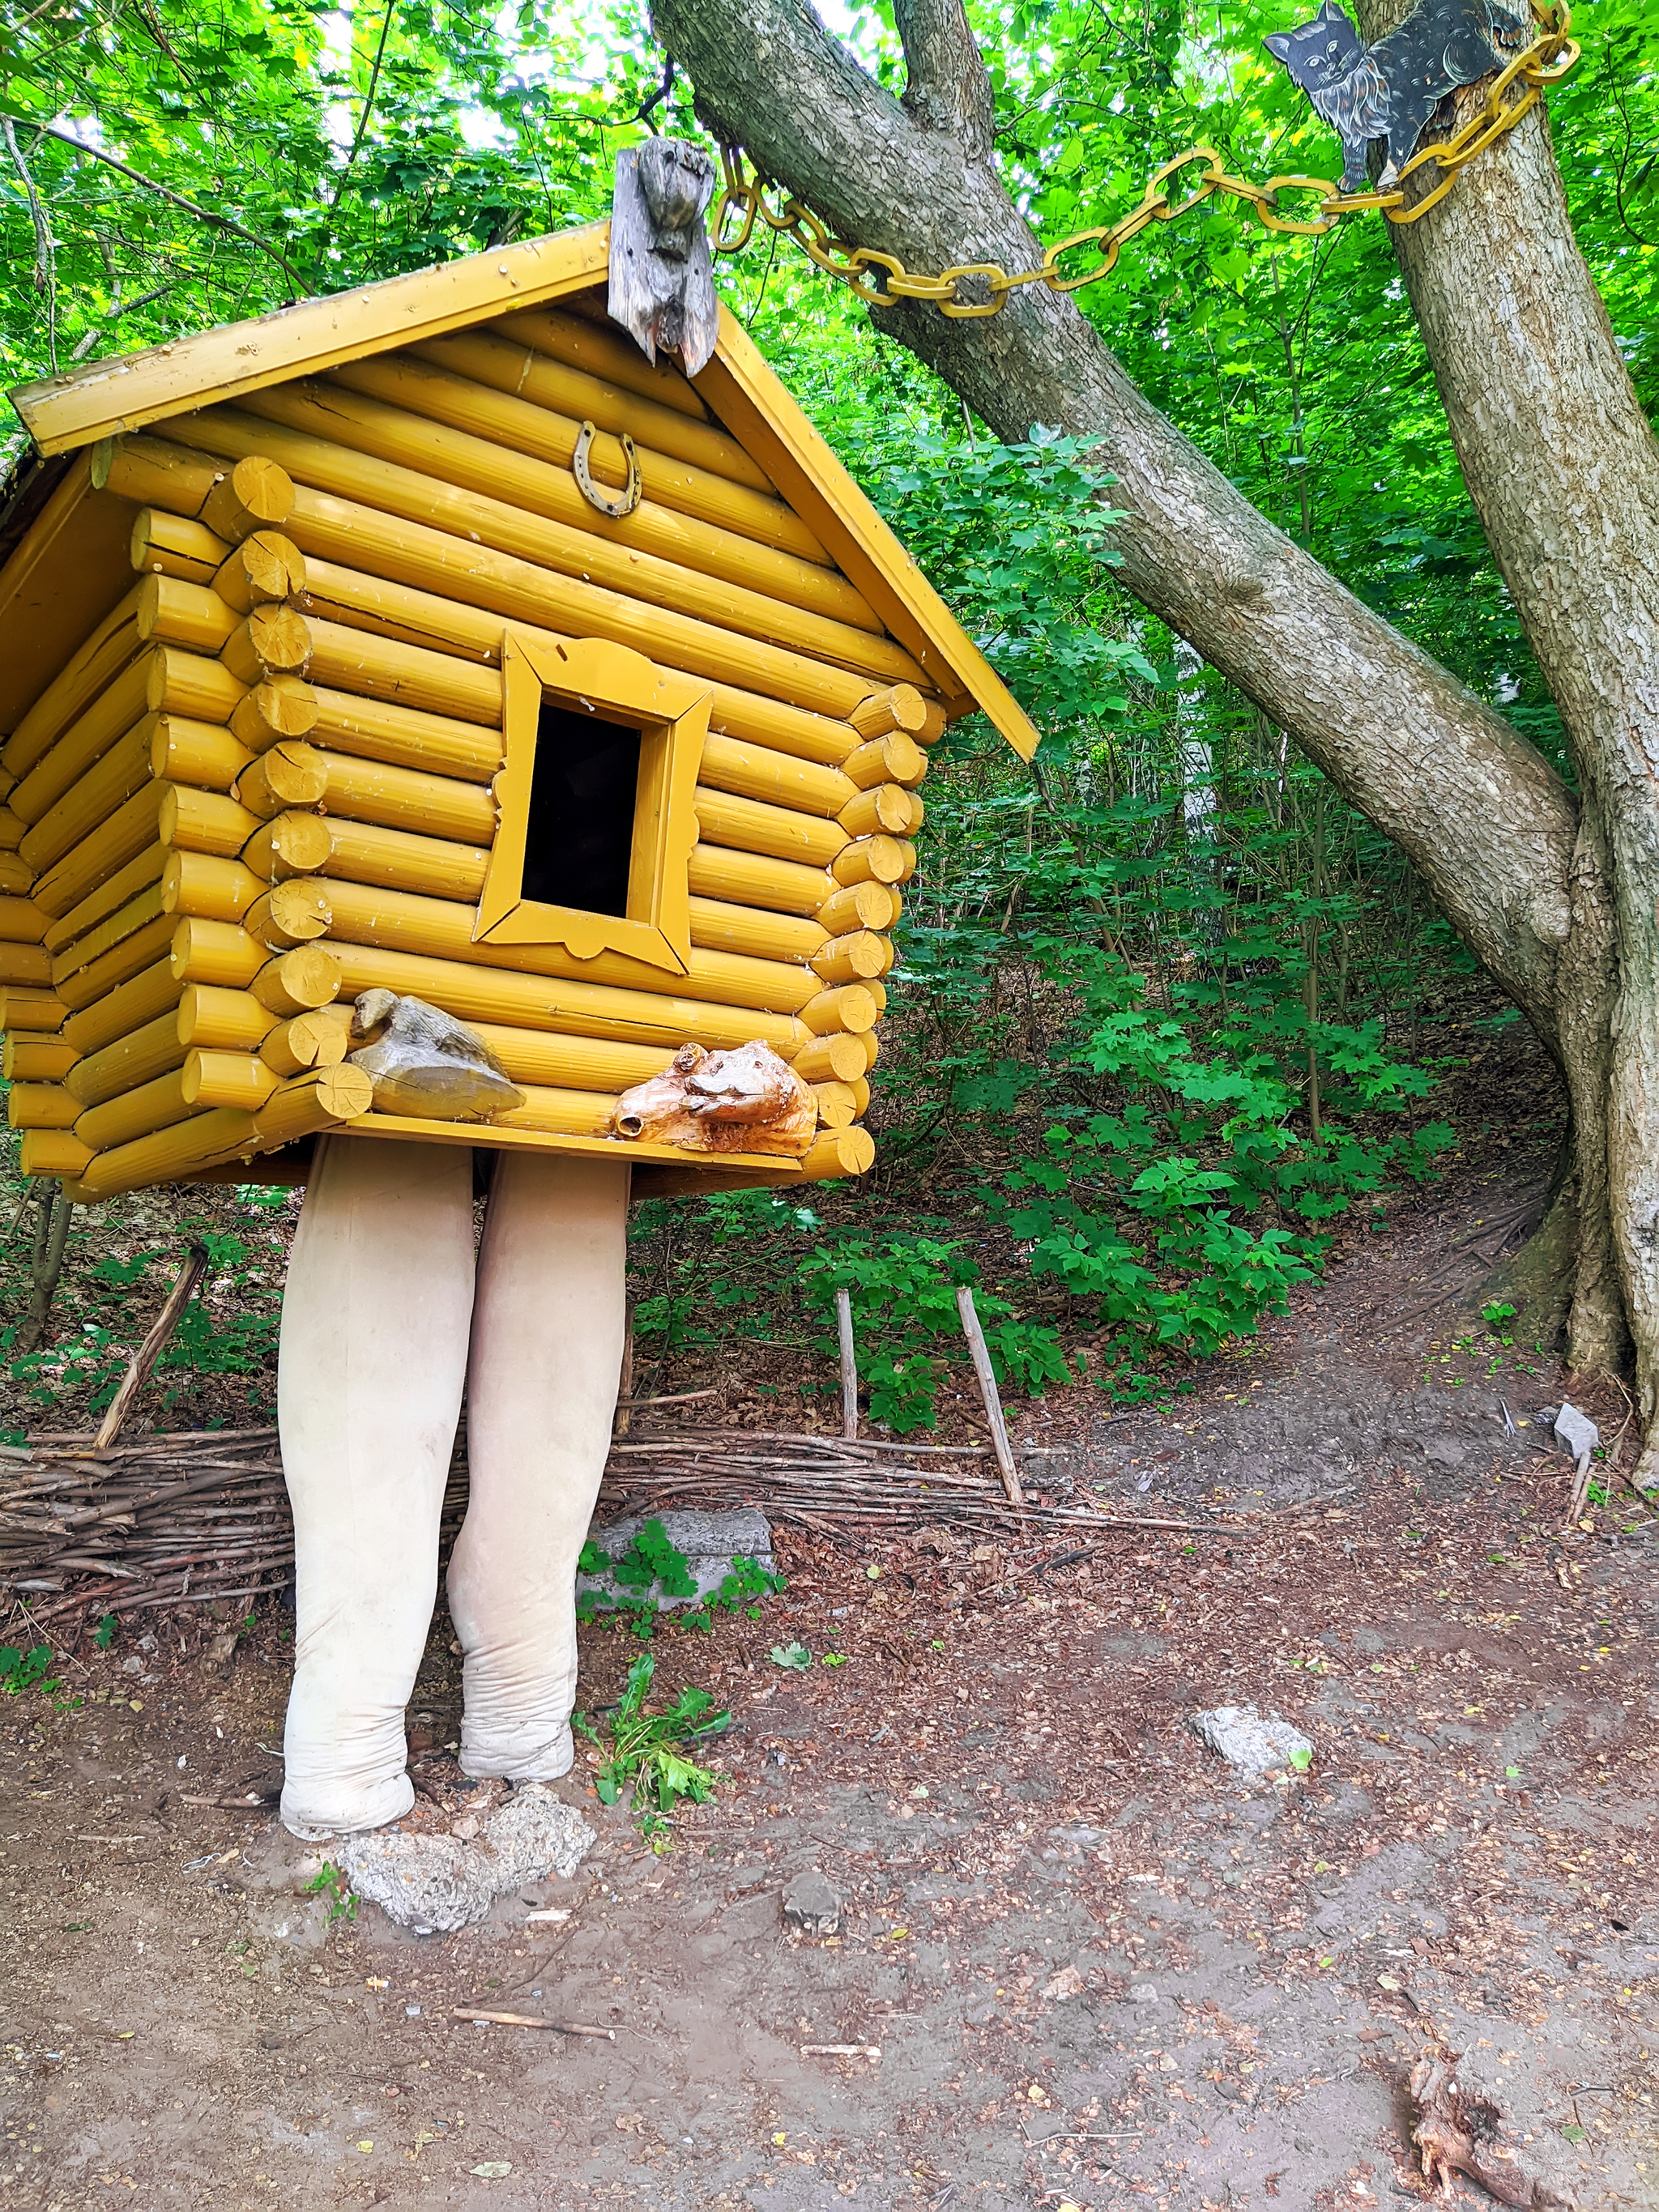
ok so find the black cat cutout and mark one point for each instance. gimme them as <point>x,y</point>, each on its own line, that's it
<point>1391,90</point>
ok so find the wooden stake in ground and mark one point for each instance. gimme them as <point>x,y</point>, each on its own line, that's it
<point>987,1390</point>
<point>151,1349</point>
<point>849,1364</point>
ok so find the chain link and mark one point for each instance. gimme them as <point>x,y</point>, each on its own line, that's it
<point>882,278</point>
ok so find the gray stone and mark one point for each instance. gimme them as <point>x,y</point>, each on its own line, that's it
<point>1575,1433</point>
<point>431,1882</point>
<point>812,1903</point>
<point>1238,1734</point>
<point>708,1541</point>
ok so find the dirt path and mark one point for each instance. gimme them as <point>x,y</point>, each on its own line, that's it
<point>1095,1969</point>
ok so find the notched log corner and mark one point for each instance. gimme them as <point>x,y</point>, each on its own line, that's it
<point>1456,2132</point>
<point>662,281</point>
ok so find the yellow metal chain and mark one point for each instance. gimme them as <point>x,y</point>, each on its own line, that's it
<point>1544,62</point>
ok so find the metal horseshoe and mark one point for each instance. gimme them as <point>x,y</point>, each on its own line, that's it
<point>625,502</point>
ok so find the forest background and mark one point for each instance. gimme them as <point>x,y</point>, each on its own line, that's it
<point>1165,1000</point>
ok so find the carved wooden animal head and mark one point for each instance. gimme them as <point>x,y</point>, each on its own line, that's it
<point>746,1100</point>
<point>676,182</point>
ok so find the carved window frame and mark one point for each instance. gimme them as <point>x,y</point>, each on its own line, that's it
<point>670,713</point>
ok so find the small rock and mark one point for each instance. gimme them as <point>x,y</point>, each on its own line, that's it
<point>1238,1734</point>
<point>428,1882</point>
<point>133,1666</point>
<point>1575,1433</point>
<point>1144,1992</point>
<point>812,1903</point>
<point>1444,1451</point>
<point>1067,1983</point>
<point>219,1650</point>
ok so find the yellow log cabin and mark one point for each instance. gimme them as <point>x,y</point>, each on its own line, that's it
<point>428,639</point>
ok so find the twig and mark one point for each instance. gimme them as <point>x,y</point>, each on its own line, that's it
<point>708,1437</point>
<point>368,106</point>
<point>1612,1465</point>
<point>52,1226</point>
<point>150,1349</point>
<point>529,2019</point>
<point>679,1398</point>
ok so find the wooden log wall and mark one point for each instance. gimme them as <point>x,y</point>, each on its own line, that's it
<point>264,783</point>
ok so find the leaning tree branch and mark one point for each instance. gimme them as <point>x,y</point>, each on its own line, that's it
<point>949,87</point>
<point>165,192</point>
<point>46,246</point>
<point>1480,813</point>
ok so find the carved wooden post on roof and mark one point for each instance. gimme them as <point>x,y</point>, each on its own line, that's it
<point>662,282</point>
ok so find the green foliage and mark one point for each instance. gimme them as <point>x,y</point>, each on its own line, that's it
<point>1018,539</point>
<point>650,1564</point>
<point>906,1326</point>
<point>1147,1208</point>
<point>653,1567</point>
<point>329,1882</point>
<point>648,1756</point>
<point>1129,1050</point>
<point>104,1634</point>
<point>25,1670</point>
<point>106,1302</point>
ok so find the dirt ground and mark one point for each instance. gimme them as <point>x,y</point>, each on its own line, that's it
<point>1081,1963</point>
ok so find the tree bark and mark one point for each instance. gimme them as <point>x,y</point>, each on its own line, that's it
<point>1564,472</point>
<point>948,87</point>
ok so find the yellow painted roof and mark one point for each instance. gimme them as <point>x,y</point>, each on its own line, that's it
<point>105,398</point>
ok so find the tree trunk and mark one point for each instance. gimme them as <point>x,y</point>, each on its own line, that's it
<point>52,1228</point>
<point>1563,470</point>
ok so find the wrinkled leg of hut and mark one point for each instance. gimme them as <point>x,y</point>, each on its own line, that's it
<point>375,1320</point>
<point>547,1344</point>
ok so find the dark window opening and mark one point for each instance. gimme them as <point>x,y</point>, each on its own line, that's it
<point>580,838</point>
